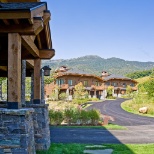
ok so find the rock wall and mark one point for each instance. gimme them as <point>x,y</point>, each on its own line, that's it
<point>17,131</point>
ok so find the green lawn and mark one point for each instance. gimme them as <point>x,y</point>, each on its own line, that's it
<point>133,107</point>
<point>117,148</point>
<point>109,126</point>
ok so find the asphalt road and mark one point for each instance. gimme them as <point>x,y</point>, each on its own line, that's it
<point>139,129</point>
<point>121,117</point>
<point>134,135</point>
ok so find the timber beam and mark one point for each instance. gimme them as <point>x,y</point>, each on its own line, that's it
<point>47,54</point>
<point>3,68</point>
<point>46,17</point>
<point>30,63</point>
<point>28,43</point>
<point>30,46</point>
<point>24,29</point>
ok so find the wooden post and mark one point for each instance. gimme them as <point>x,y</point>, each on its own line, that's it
<point>14,71</point>
<point>37,81</point>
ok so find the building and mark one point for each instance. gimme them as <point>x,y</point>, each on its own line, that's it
<point>119,83</point>
<point>96,86</point>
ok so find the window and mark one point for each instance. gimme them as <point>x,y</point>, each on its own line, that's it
<point>107,83</point>
<point>70,82</point>
<point>115,84</point>
<point>85,83</point>
<point>132,85</point>
<point>60,81</point>
<point>124,85</point>
<point>97,83</point>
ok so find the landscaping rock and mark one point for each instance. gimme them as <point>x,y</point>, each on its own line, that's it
<point>143,110</point>
<point>106,151</point>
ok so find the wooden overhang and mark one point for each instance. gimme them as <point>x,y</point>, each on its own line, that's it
<point>80,75</point>
<point>31,21</point>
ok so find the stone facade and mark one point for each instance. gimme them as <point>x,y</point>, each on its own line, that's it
<point>41,126</point>
<point>17,131</point>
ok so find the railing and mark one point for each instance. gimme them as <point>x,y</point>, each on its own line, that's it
<point>64,86</point>
<point>98,87</point>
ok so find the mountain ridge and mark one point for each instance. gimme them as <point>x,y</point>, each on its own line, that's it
<point>95,64</point>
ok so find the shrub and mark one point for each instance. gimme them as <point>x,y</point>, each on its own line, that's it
<point>80,92</point>
<point>80,101</point>
<point>94,116</point>
<point>109,91</point>
<point>94,99</point>
<point>56,117</point>
<point>84,117</point>
<point>62,96</point>
<point>71,116</point>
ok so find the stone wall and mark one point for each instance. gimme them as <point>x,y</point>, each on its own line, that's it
<point>41,126</point>
<point>17,131</point>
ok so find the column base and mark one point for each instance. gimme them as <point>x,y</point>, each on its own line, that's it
<point>41,126</point>
<point>13,105</point>
<point>17,131</point>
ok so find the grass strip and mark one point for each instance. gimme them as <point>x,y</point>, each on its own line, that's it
<point>60,148</point>
<point>106,127</point>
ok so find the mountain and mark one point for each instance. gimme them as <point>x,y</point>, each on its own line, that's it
<point>95,65</point>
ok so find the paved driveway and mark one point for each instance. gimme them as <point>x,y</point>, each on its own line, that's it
<point>134,134</point>
<point>123,118</point>
<point>139,129</point>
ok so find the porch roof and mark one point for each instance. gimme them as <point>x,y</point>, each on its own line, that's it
<point>31,21</point>
<point>21,6</point>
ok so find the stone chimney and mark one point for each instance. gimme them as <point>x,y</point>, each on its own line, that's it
<point>104,74</point>
<point>61,69</point>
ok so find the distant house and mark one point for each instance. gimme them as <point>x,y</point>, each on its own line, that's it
<point>96,86</point>
<point>119,82</point>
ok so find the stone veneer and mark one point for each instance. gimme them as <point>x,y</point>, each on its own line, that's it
<point>17,131</point>
<point>41,125</point>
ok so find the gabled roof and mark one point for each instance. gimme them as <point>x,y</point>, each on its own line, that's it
<point>113,76</point>
<point>76,72</point>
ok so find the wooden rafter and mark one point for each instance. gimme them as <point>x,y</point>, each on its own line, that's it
<point>6,22</point>
<point>28,43</point>
<point>48,37</point>
<point>3,68</point>
<point>16,21</point>
<point>30,63</point>
<point>31,21</point>
<point>39,41</point>
<point>46,17</point>
<point>24,29</point>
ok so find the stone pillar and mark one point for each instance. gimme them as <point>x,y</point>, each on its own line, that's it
<point>41,126</point>
<point>32,85</point>
<point>42,87</point>
<point>16,131</point>
<point>23,80</point>
<point>1,91</point>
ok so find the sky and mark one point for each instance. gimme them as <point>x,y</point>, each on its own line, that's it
<point>107,28</point>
